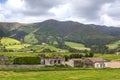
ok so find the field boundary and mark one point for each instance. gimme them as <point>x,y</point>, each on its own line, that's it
<point>21,66</point>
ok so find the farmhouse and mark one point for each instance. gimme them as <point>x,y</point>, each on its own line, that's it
<point>75,62</point>
<point>95,63</point>
<point>53,61</point>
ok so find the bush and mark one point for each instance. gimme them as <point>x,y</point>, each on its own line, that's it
<point>76,55</point>
<point>27,60</point>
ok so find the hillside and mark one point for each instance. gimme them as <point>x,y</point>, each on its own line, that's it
<point>114,45</point>
<point>11,44</point>
<point>9,41</point>
<point>52,30</point>
<point>76,46</point>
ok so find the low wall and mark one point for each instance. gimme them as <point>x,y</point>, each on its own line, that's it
<point>21,66</point>
<point>113,64</point>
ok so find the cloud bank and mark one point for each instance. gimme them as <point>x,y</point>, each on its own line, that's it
<point>103,12</point>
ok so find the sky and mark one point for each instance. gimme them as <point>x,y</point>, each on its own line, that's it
<point>100,12</point>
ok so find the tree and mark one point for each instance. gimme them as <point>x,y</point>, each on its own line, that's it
<point>61,42</point>
<point>76,55</point>
<point>91,54</point>
<point>41,55</point>
<point>99,49</point>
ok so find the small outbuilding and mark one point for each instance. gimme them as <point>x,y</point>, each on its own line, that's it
<point>75,62</point>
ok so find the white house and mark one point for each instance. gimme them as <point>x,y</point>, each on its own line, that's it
<point>95,63</point>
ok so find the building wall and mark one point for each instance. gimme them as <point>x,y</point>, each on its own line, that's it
<point>113,64</point>
<point>75,63</point>
<point>100,65</point>
<point>71,63</point>
<point>88,63</point>
<point>51,62</point>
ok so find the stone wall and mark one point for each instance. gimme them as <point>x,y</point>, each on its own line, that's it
<point>21,66</point>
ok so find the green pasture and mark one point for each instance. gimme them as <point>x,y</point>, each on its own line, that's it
<point>114,45</point>
<point>17,47</point>
<point>9,41</point>
<point>12,44</point>
<point>90,74</point>
<point>40,48</point>
<point>18,54</point>
<point>108,56</point>
<point>76,46</point>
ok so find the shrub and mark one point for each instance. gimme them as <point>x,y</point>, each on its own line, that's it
<point>27,60</point>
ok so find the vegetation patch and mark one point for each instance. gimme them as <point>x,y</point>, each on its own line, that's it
<point>114,45</point>
<point>76,46</point>
<point>27,60</point>
<point>90,74</point>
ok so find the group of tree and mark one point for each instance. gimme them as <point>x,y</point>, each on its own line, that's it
<point>66,56</point>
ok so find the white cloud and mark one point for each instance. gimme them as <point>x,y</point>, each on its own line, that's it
<point>103,12</point>
<point>61,12</point>
<point>2,18</point>
<point>107,20</point>
<point>15,4</point>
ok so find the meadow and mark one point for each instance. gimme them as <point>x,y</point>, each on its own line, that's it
<point>12,44</point>
<point>77,46</point>
<point>83,74</point>
<point>114,45</point>
<point>108,56</point>
<point>18,54</point>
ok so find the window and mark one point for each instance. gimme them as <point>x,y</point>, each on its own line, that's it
<point>55,61</point>
<point>59,61</point>
<point>97,65</point>
<point>50,61</point>
<point>101,65</point>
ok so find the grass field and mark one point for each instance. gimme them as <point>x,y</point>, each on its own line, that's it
<point>76,46</point>
<point>18,54</point>
<point>12,44</point>
<point>17,47</point>
<point>9,41</point>
<point>90,74</point>
<point>108,56</point>
<point>40,48</point>
<point>114,45</point>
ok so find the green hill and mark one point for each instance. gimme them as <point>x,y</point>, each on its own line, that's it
<point>9,41</point>
<point>52,30</point>
<point>114,45</point>
<point>43,48</point>
<point>12,44</point>
<point>30,38</point>
<point>76,46</point>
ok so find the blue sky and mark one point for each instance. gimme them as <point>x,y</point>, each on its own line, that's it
<point>2,1</point>
<point>101,12</point>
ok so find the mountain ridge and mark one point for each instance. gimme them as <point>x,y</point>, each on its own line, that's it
<point>51,30</point>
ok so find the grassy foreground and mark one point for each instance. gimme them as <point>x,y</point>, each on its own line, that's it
<point>90,74</point>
